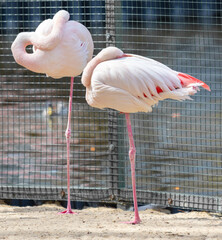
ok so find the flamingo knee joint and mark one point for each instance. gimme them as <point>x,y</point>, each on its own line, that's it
<point>132,153</point>
<point>68,133</point>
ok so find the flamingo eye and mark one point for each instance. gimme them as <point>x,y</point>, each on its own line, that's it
<point>29,48</point>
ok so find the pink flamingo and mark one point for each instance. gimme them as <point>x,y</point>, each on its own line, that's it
<point>125,82</point>
<point>131,83</point>
<point>60,48</point>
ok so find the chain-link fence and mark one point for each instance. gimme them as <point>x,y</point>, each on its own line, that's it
<point>179,144</point>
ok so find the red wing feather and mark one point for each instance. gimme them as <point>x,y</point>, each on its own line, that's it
<point>186,80</point>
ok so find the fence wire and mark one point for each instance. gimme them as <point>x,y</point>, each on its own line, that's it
<point>179,144</point>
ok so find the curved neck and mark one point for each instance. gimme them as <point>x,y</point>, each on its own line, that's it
<point>55,36</point>
<point>106,54</point>
<point>50,41</point>
<point>21,56</point>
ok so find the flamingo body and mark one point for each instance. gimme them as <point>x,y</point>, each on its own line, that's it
<point>131,83</point>
<point>61,48</point>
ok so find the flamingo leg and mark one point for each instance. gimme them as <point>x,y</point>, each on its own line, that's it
<point>132,154</point>
<point>68,135</point>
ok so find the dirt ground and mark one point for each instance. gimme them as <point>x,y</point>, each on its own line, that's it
<point>43,222</point>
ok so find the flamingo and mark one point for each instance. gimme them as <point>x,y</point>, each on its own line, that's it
<point>131,83</point>
<point>60,48</point>
<point>127,83</point>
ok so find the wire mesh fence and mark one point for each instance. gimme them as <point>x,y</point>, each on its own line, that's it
<point>179,144</point>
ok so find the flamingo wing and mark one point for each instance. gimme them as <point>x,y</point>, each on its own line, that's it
<point>135,84</point>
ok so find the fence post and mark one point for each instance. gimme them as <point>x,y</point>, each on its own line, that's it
<point>110,22</point>
<point>112,114</point>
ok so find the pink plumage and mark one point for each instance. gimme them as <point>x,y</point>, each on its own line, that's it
<point>131,83</point>
<point>61,48</point>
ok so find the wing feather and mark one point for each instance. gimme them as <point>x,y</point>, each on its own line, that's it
<point>144,80</point>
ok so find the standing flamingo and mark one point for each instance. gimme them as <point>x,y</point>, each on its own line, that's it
<point>60,48</point>
<point>131,83</point>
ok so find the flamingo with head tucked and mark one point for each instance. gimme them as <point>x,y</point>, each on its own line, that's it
<point>125,82</point>
<point>60,48</point>
<point>130,83</point>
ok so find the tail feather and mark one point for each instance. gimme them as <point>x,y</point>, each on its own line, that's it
<point>187,80</point>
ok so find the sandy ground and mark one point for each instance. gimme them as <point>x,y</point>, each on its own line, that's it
<point>43,222</point>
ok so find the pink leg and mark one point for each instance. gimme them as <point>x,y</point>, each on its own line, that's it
<point>68,134</point>
<point>132,153</point>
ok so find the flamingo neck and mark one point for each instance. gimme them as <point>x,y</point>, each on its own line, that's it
<point>20,54</point>
<point>106,54</point>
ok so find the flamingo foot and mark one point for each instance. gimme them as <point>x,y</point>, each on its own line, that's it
<point>136,221</point>
<point>68,211</point>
